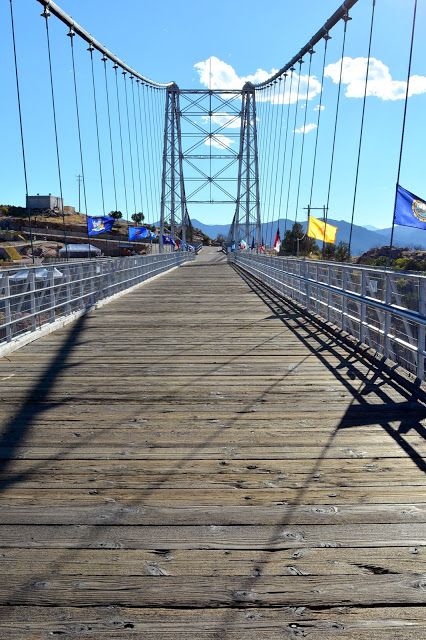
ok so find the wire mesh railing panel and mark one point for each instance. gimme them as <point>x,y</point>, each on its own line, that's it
<point>386,310</point>
<point>33,297</point>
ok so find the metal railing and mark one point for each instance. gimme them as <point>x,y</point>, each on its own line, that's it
<point>32,297</point>
<point>386,310</point>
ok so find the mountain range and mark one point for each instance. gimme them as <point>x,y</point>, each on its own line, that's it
<point>363,238</point>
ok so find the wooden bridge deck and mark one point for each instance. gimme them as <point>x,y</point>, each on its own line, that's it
<point>197,461</point>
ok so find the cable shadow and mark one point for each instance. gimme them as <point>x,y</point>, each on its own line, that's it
<point>36,401</point>
<point>307,329</point>
<point>374,404</point>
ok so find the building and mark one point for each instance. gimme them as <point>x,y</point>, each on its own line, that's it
<point>52,203</point>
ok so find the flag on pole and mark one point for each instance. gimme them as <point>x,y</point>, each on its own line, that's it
<point>410,210</point>
<point>252,244</point>
<point>137,233</point>
<point>321,230</point>
<point>168,240</point>
<point>99,224</point>
<point>277,241</point>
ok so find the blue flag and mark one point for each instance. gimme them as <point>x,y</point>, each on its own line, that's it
<point>168,240</point>
<point>410,211</point>
<point>136,233</point>
<point>252,243</point>
<point>97,225</point>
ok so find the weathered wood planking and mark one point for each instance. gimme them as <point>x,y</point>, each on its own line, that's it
<point>227,469</point>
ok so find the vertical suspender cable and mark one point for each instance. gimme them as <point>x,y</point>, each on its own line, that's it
<point>142,135</point>
<point>311,52</point>
<point>148,138</point>
<point>137,144</point>
<point>285,147</point>
<point>292,146</point>
<point>46,14</point>
<point>124,73</point>
<point>336,119</point>
<point>314,161</point>
<point>104,60</point>
<point>413,29</point>
<point>267,145</point>
<point>152,129</point>
<point>274,164</point>
<point>121,140</point>
<point>21,129</point>
<point>279,153</point>
<point>95,106</point>
<point>362,126</point>
<point>71,35</point>
<point>156,148</point>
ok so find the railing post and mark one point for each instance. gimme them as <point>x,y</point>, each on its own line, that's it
<point>363,309</point>
<point>344,323</point>
<point>7,309</point>
<point>32,300</point>
<point>387,320</point>
<point>421,330</point>
<point>52,294</point>
<point>68,288</point>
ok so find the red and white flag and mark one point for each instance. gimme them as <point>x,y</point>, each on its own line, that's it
<point>277,241</point>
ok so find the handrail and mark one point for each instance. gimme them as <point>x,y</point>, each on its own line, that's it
<point>403,329</point>
<point>30,300</point>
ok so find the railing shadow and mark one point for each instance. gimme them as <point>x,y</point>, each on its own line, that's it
<point>409,412</point>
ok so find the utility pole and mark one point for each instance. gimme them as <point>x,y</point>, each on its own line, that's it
<point>79,180</point>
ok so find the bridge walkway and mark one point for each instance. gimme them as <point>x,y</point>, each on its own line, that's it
<point>199,460</point>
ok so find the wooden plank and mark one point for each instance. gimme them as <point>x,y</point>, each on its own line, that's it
<point>213,537</point>
<point>288,562</point>
<point>228,591</point>
<point>277,623</point>
<point>238,475</point>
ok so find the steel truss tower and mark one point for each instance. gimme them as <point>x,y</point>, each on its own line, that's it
<point>246,222</point>
<point>209,159</point>
<point>173,212</point>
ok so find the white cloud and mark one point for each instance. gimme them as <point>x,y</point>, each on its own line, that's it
<point>380,81</point>
<point>306,129</point>
<point>217,74</point>
<point>219,141</point>
<point>319,107</point>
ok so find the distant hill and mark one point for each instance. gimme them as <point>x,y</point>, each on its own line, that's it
<point>363,238</point>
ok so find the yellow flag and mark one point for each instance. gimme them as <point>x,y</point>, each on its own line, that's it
<point>316,230</point>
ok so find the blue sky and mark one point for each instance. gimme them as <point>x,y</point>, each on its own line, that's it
<point>165,40</point>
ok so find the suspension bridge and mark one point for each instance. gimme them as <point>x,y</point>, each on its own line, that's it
<point>216,442</point>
